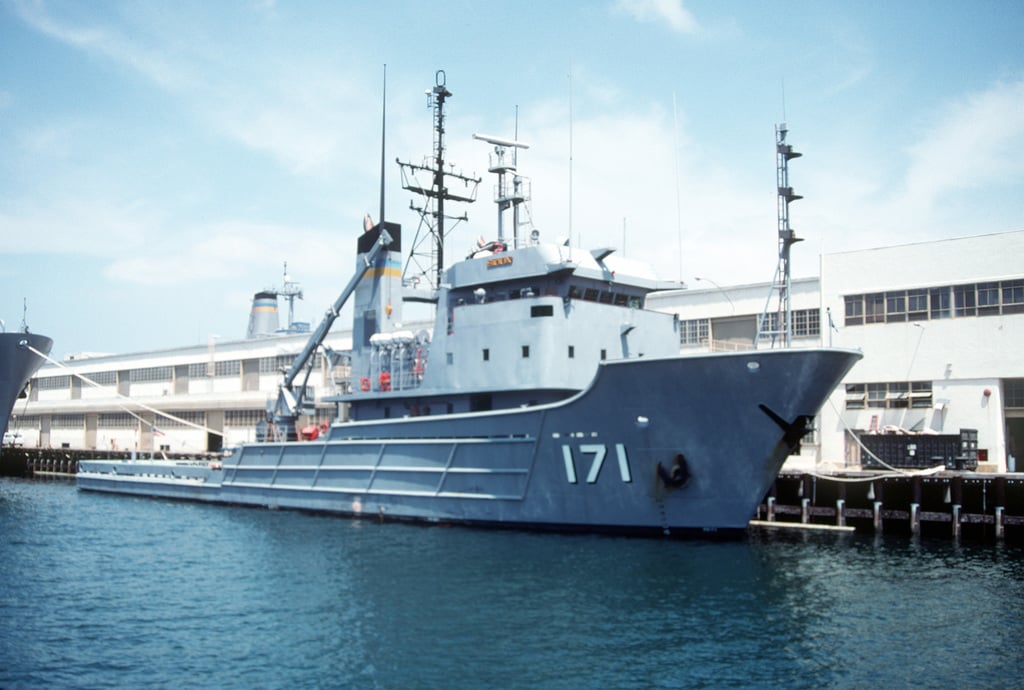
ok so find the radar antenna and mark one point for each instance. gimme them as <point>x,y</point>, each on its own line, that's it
<point>429,261</point>
<point>507,195</point>
<point>290,290</point>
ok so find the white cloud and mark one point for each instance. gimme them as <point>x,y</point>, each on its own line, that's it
<point>671,12</point>
<point>106,42</point>
<point>226,251</point>
<point>77,225</point>
<point>974,143</point>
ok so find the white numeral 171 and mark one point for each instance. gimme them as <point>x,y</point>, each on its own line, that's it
<point>599,451</point>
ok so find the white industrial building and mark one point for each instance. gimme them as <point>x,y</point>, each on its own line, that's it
<point>939,323</point>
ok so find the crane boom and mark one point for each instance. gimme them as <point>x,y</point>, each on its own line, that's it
<point>288,402</point>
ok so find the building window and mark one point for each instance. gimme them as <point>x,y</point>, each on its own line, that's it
<point>1013,392</point>
<point>854,310</point>
<point>102,378</point>
<point>149,374</point>
<point>229,368</point>
<point>182,419</point>
<point>855,396</point>
<point>271,365</point>
<point>874,308</point>
<point>965,300</point>
<point>244,418</point>
<point>896,306</point>
<point>806,324</point>
<point>67,421</point>
<point>917,305</point>
<point>694,331</point>
<point>117,420</point>
<point>889,396</point>
<point>1013,296</point>
<point>53,383</point>
<point>941,302</point>
<point>988,299</point>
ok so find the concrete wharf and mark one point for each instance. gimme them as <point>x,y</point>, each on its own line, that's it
<point>975,505</point>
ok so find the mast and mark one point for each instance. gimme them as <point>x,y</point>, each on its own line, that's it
<point>437,191</point>
<point>782,282</point>
<point>383,139</point>
<point>507,195</point>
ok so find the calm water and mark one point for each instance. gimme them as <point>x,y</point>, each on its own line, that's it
<point>106,591</point>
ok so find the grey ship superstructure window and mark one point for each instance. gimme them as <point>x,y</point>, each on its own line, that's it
<point>542,310</point>
<point>526,351</point>
<point>572,351</point>
<point>487,354</point>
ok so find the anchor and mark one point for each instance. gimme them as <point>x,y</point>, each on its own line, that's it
<point>792,432</point>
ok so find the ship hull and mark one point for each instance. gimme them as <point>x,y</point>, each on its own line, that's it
<point>17,365</point>
<point>601,461</point>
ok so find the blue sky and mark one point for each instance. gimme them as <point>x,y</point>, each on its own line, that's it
<point>159,161</point>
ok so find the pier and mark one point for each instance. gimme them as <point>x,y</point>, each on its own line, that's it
<point>27,462</point>
<point>976,505</point>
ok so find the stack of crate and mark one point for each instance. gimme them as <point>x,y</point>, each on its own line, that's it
<point>920,451</point>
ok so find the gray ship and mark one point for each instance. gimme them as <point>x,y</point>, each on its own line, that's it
<point>546,396</point>
<point>17,365</point>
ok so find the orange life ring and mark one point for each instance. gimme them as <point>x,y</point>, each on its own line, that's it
<point>364,383</point>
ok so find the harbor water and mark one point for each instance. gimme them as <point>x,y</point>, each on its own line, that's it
<point>100,591</point>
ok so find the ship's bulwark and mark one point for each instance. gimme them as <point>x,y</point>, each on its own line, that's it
<point>590,463</point>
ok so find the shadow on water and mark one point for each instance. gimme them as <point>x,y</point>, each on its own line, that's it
<point>112,591</point>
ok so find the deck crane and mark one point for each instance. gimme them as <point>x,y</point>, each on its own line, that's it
<point>289,401</point>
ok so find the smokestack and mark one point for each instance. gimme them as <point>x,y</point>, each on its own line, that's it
<point>263,317</point>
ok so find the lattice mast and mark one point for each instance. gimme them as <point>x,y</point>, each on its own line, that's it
<point>782,324</point>
<point>429,261</point>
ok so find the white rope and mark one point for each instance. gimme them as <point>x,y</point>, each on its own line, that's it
<point>894,470</point>
<point>125,397</point>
